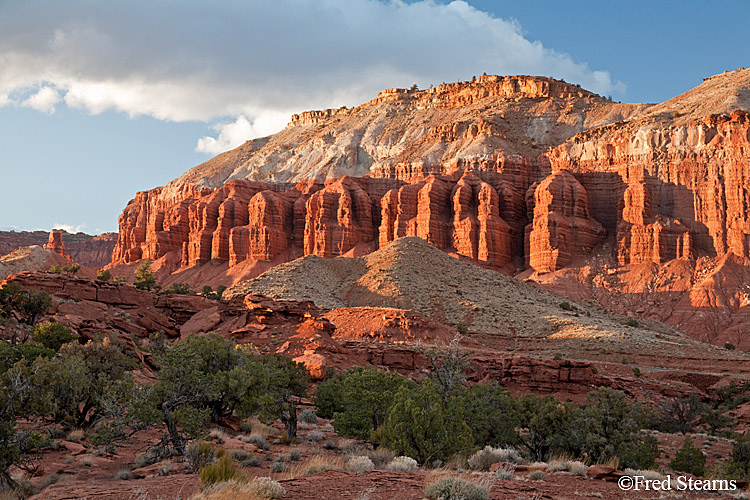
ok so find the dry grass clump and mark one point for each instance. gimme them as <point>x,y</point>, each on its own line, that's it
<point>359,464</point>
<point>484,458</point>
<point>537,475</point>
<point>257,489</point>
<point>505,472</point>
<point>402,463</point>
<point>647,474</point>
<point>315,465</point>
<point>76,436</point>
<point>456,488</point>
<point>575,467</point>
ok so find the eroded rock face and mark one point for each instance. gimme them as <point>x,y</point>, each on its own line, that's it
<point>507,172</point>
<point>89,251</point>
<point>55,242</point>
<point>561,227</point>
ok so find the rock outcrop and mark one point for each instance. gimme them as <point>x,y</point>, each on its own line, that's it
<point>511,173</point>
<point>55,242</point>
<point>89,251</point>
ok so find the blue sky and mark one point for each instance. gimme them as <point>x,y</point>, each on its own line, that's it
<point>99,100</point>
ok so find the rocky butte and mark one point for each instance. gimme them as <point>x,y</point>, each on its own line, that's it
<point>643,208</point>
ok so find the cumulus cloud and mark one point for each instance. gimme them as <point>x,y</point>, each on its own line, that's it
<point>43,100</point>
<point>70,228</point>
<point>235,133</point>
<point>246,63</point>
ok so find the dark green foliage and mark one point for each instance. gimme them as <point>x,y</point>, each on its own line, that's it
<point>729,346</point>
<point>200,379</point>
<point>681,414</point>
<point>178,289</point>
<point>689,459</point>
<point>632,322</point>
<point>565,306</point>
<point>52,335</point>
<point>14,390</point>
<point>11,354</point>
<point>280,385</point>
<point>716,421</point>
<point>144,276</point>
<point>542,419</point>
<point>358,400</point>
<point>491,413</point>
<point>71,387</point>
<point>28,304</point>
<point>103,275</point>
<point>606,427</point>
<point>209,293</point>
<point>420,425</point>
<point>199,454</point>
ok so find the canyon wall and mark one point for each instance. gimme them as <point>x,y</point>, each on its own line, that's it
<point>89,251</point>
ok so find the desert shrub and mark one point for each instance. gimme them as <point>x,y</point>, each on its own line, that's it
<point>456,488</point>
<point>402,463</point>
<point>144,276</point>
<point>309,416</point>
<point>199,454</point>
<point>359,464</point>
<point>681,414</point>
<point>223,469</point>
<point>380,456</point>
<point>314,436</point>
<point>632,322</point>
<point>295,455</point>
<point>28,305</point>
<point>124,475</point>
<point>689,459</point>
<point>484,458</point>
<point>239,455</point>
<point>165,469</point>
<point>319,463</point>
<point>650,475</point>
<point>103,275</point>
<point>491,413</point>
<point>543,418</point>
<point>52,335</point>
<point>607,426</point>
<point>578,468</point>
<point>358,400</point>
<point>565,306</point>
<point>178,289</point>
<point>729,346</point>
<point>537,475</point>
<point>278,467</point>
<point>422,426</point>
<point>265,487</point>
<point>76,435</point>
<point>258,441</point>
<point>81,382</point>
<point>505,472</point>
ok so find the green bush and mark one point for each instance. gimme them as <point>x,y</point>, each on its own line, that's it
<point>421,426</point>
<point>358,400</point>
<point>144,276</point>
<point>52,335</point>
<point>565,306</point>
<point>178,289</point>
<point>103,275</point>
<point>456,488</point>
<point>222,470</point>
<point>491,413</point>
<point>309,417</point>
<point>689,459</point>
<point>729,346</point>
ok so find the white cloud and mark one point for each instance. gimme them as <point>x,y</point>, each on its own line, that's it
<point>44,100</point>
<point>250,62</point>
<point>235,133</point>
<point>70,228</point>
